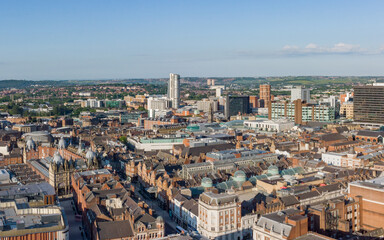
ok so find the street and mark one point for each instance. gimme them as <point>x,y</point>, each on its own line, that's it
<point>74,226</point>
<point>170,225</point>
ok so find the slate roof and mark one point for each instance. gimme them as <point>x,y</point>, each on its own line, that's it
<point>147,220</point>
<point>115,230</point>
<point>180,198</point>
<point>300,189</point>
<point>329,188</point>
<point>195,151</point>
<point>164,156</point>
<point>332,137</point>
<point>275,222</point>
<point>366,133</point>
<point>192,206</point>
<point>307,195</point>
<point>313,236</point>
<point>289,200</point>
<point>217,199</point>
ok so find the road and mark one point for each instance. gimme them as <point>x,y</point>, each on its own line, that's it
<point>74,226</point>
<point>170,225</point>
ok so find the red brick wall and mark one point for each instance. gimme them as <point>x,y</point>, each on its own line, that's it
<point>11,160</point>
<point>372,214</point>
<point>34,236</point>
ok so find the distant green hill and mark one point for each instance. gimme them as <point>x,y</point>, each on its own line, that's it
<point>61,83</point>
<point>28,83</point>
<point>244,81</point>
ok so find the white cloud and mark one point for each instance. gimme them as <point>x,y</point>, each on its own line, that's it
<point>312,48</point>
<point>381,50</point>
<point>289,48</point>
<point>345,48</point>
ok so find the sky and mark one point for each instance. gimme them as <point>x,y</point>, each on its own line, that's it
<point>94,39</point>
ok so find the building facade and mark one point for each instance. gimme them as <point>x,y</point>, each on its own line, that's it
<point>300,112</point>
<point>368,104</point>
<point>346,110</point>
<point>301,93</point>
<point>281,125</point>
<point>206,104</point>
<point>372,202</point>
<point>265,95</point>
<point>236,104</point>
<point>158,104</point>
<point>287,224</point>
<point>174,89</point>
<point>220,216</point>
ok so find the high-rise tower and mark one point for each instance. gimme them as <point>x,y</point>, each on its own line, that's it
<point>174,89</point>
<point>265,95</point>
<point>300,93</point>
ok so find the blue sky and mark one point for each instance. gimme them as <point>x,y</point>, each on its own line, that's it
<point>92,39</point>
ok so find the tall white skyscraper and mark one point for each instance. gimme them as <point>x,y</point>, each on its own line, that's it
<point>174,89</point>
<point>300,93</point>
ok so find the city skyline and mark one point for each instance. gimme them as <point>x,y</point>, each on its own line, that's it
<point>95,40</point>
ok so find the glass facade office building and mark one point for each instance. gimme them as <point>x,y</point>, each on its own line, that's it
<point>368,104</point>
<point>236,104</point>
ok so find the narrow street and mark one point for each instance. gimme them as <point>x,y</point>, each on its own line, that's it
<point>170,225</point>
<point>74,225</point>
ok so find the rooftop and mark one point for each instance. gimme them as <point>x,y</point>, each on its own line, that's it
<point>376,183</point>
<point>20,219</point>
<point>218,199</point>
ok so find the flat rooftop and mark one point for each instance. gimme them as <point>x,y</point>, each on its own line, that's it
<point>20,219</point>
<point>376,183</point>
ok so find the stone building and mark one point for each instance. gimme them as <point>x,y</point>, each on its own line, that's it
<point>220,216</point>
<point>57,165</point>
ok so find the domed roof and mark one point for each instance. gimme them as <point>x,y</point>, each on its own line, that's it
<point>62,143</point>
<point>273,169</point>
<point>240,176</point>
<point>159,219</point>
<point>30,144</point>
<point>206,182</point>
<point>57,158</point>
<point>90,155</point>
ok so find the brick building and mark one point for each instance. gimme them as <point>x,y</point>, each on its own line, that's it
<point>336,215</point>
<point>372,202</point>
<point>106,205</point>
<point>287,224</point>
